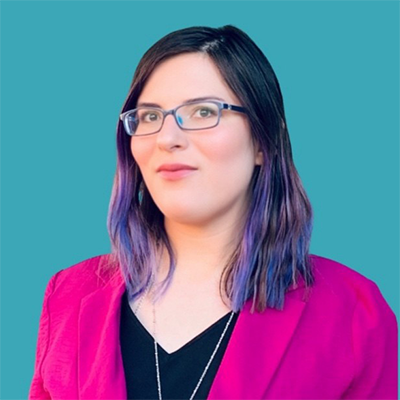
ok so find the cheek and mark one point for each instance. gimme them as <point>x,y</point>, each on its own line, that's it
<point>231,154</point>
<point>141,151</point>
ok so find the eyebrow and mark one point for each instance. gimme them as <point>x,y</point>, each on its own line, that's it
<point>145,104</point>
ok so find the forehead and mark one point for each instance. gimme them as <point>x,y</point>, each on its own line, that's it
<point>184,77</point>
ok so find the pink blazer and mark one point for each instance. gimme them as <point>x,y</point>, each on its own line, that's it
<point>340,343</point>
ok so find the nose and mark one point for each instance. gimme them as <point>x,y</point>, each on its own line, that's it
<point>171,136</point>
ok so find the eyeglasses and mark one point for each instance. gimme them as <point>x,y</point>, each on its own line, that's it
<point>191,116</point>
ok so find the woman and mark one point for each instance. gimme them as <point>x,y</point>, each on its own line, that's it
<point>210,291</point>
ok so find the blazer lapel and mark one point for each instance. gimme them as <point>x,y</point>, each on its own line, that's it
<point>100,368</point>
<point>255,349</point>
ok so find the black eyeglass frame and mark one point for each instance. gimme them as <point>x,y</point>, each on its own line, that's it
<point>221,106</point>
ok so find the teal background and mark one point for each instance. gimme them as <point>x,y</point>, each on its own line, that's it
<point>65,71</point>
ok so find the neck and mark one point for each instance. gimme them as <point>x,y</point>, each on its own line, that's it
<point>201,252</point>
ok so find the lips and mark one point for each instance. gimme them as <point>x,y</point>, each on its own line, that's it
<point>174,167</point>
<point>174,172</point>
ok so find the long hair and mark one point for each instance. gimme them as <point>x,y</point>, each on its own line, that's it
<point>274,248</point>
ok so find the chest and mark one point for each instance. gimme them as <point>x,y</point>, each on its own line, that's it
<point>180,316</point>
<point>192,368</point>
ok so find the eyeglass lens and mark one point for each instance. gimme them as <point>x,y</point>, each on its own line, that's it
<point>146,120</point>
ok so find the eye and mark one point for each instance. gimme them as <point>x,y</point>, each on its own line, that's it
<point>204,112</point>
<point>148,116</point>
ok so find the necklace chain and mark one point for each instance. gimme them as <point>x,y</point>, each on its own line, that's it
<point>156,346</point>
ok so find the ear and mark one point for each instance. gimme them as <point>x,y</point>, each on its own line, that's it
<point>259,158</point>
<point>258,155</point>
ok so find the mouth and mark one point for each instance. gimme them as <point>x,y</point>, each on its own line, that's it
<point>175,171</point>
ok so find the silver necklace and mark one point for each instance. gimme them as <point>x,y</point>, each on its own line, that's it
<point>156,348</point>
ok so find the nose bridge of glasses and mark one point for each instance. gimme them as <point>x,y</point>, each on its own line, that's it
<point>177,117</point>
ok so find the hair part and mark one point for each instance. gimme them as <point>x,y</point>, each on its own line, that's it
<point>274,251</point>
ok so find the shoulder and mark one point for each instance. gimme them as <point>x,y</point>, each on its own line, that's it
<point>337,275</point>
<point>85,277</point>
<point>336,283</point>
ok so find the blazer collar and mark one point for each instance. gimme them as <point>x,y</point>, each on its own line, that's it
<point>256,338</point>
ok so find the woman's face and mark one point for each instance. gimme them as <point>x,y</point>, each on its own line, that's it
<point>222,158</point>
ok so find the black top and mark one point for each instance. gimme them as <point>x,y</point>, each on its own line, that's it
<point>180,371</point>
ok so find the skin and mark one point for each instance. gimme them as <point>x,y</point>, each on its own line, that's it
<point>203,211</point>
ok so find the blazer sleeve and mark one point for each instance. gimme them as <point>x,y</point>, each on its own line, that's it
<point>374,330</point>
<point>37,389</point>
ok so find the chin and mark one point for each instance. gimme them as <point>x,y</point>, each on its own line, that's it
<point>180,208</point>
<point>187,216</point>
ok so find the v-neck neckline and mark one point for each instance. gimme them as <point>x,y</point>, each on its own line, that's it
<point>184,347</point>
